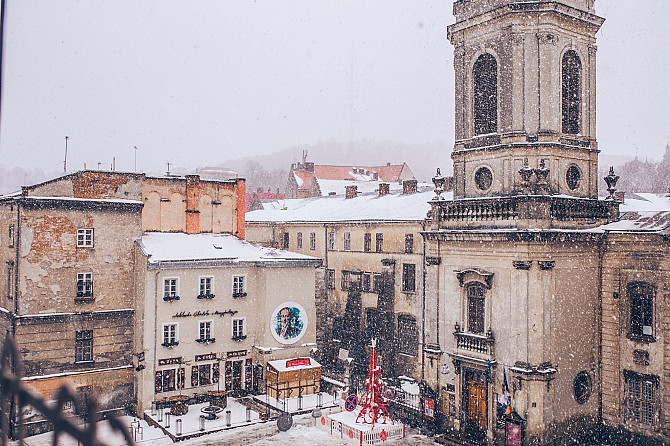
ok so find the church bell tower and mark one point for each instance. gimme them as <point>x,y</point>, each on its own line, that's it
<point>525,98</point>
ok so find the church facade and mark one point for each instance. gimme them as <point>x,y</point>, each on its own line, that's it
<point>542,308</point>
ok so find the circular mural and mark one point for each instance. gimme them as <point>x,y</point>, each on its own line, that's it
<point>288,322</point>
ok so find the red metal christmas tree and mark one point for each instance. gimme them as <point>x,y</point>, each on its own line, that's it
<point>373,401</point>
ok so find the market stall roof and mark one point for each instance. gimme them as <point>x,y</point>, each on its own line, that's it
<point>284,365</point>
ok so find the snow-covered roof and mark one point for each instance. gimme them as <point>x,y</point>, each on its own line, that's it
<point>301,364</point>
<point>365,207</point>
<point>642,212</point>
<point>328,187</point>
<point>180,247</point>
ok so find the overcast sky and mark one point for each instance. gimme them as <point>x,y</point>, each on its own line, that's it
<point>199,82</point>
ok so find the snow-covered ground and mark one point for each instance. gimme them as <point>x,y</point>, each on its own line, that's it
<point>303,432</point>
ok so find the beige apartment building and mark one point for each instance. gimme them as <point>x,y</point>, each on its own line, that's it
<point>358,237</point>
<point>209,314</point>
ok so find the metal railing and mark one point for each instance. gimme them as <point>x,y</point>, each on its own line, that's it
<point>15,396</point>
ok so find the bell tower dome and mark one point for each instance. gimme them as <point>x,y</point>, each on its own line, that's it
<point>525,98</point>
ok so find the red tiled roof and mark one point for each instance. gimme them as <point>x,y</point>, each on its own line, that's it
<point>306,177</point>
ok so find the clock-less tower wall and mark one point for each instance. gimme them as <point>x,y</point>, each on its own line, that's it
<point>525,90</point>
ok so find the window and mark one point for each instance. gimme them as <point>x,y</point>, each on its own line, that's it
<point>201,375</point>
<point>11,236</point>
<point>84,285</point>
<point>170,335</point>
<point>170,289</point>
<point>286,240</point>
<point>312,241</point>
<point>205,288</point>
<point>408,277</point>
<point>572,177</point>
<point>298,240</point>
<point>483,178</point>
<point>83,344</point>
<point>379,242</point>
<point>377,285</point>
<point>346,279</point>
<point>10,280</point>
<point>347,241</point>
<point>205,332</point>
<point>367,242</point>
<point>85,238</point>
<point>582,387</point>
<point>238,329</point>
<point>475,298</point>
<point>641,296</point>
<point>331,240</point>
<point>367,278</point>
<point>170,379</point>
<point>641,397</point>
<point>408,335</point>
<point>571,96</point>
<point>409,243</point>
<point>485,74</point>
<point>239,286</point>
<point>330,279</point>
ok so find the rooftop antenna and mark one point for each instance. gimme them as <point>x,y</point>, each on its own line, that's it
<point>135,159</point>
<point>113,164</point>
<point>99,163</point>
<point>65,159</point>
<point>168,171</point>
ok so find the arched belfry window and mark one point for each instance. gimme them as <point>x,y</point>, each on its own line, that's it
<point>571,97</point>
<point>485,73</point>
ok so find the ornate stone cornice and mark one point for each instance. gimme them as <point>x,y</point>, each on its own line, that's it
<point>522,264</point>
<point>546,264</point>
<point>479,275</point>
<point>546,38</point>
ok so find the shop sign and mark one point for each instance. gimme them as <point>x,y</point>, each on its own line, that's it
<point>206,357</point>
<point>297,362</point>
<point>169,361</point>
<point>236,354</point>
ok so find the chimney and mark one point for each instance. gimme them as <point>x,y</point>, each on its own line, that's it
<point>259,190</point>
<point>375,176</point>
<point>620,196</point>
<point>409,187</point>
<point>309,167</point>
<point>388,164</point>
<point>383,189</point>
<point>350,191</point>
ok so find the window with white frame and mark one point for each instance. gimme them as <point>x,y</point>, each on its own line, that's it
<point>206,288</point>
<point>239,331</point>
<point>85,238</point>
<point>83,346</point>
<point>239,286</point>
<point>331,240</point>
<point>641,397</point>
<point>298,240</point>
<point>205,331</point>
<point>312,241</point>
<point>170,289</point>
<point>170,335</point>
<point>84,284</point>
<point>347,241</point>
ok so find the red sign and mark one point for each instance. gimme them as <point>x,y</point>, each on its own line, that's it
<point>297,362</point>
<point>429,409</point>
<point>513,434</point>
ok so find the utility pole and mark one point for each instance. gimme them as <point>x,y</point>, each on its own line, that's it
<point>65,160</point>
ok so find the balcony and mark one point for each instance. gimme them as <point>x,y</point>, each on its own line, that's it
<point>522,212</point>
<point>468,343</point>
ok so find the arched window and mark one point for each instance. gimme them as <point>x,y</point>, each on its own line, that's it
<point>571,97</point>
<point>641,297</point>
<point>475,297</point>
<point>485,73</point>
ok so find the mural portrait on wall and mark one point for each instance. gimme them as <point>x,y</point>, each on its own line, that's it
<point>288,323</point>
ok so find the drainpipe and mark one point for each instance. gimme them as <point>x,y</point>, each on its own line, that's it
<point>423,306</point>
<point>153,374</point>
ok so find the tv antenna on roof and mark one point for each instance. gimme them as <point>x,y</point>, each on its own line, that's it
<point>65,159</point>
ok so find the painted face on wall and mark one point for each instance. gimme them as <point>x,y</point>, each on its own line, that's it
<point>288,322</point>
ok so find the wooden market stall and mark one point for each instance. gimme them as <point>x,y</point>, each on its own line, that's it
<point>288,378</point>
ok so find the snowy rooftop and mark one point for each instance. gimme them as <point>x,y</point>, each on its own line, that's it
<point>642,212</point>
<point>365,207</point>
<point>280,365</point>
<point>175,247</point>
